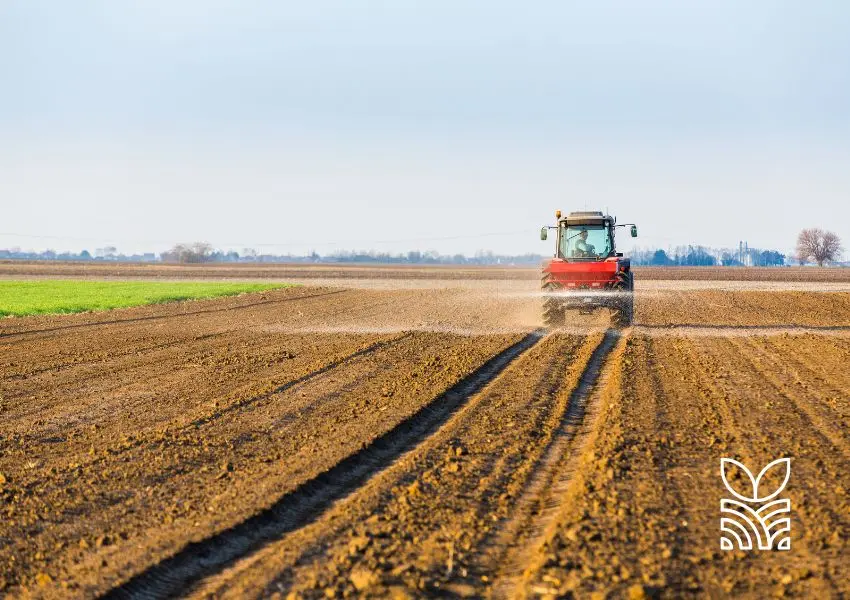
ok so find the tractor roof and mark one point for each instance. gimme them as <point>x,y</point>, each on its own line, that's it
<point>587,217</point>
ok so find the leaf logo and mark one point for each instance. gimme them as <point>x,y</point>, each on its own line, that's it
<point>751,494</point>
<point>743,526</point>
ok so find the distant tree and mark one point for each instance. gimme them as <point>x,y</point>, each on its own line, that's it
<point>660,259</point>
<point>195,253</point>
<point>85,255</point>
<point>770,258</point>
<point>174,254</point>
<point>818,245</point>
<point>201,251</point>
<point>695,257</point>
<point>728,259</point>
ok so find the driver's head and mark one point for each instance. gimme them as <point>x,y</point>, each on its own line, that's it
<point>583,234</point>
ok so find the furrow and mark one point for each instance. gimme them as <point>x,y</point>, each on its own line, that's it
<point>310,500</point>
<point>524,531</point>
<point>423,521</point>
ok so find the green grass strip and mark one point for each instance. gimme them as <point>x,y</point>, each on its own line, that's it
<point>21,298</point>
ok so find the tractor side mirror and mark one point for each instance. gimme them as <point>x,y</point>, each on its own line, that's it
<point>544,233</point>
<point>634,230</point>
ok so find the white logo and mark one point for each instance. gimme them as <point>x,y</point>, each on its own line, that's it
<point>755,515</point>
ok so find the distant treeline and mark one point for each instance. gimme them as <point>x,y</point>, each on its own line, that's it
<point>200,253</point>
<point>204,253</point>
<point>85,255</point>
<point>701,256</point>
<point>429,258</point>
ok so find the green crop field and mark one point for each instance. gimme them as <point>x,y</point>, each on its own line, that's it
<point>20,298</point>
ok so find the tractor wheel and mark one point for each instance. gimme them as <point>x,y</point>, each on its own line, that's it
<point>624,312</point>
<point>554,313</point>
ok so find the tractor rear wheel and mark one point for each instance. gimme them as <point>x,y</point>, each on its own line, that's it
<point>554,313</point>
<point>624,312</point>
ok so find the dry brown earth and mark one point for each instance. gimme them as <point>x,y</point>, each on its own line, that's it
<point>642,515</point>
<point>744,309</point>
<point>344,442</point>
<point>429,523</point>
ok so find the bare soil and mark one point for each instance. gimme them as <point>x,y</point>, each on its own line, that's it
<point>642,516</point>
<point>431,441</point>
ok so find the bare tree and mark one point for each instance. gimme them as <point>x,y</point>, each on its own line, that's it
<point>195,253</point>
<point>819,245</point>
<point>201,251</point>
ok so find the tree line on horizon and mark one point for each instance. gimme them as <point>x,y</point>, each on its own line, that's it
<point>813,246</point>
<point>702,256</point>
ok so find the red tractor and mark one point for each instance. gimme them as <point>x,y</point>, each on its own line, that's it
<point>587,272</point>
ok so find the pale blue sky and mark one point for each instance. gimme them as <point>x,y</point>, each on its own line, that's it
<point>336,124</point>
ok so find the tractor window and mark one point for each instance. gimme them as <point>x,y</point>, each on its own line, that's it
<point>585,241</point>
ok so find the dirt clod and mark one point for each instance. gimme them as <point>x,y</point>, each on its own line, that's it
<point>363,579</point>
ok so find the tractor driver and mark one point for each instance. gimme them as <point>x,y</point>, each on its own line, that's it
<point>583,249</point>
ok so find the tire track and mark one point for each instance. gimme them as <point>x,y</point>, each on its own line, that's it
<point>626,536</point>
<point>511,547</point>
<point>306,503</point>
<point>152,489</point>
<point>419,514</point>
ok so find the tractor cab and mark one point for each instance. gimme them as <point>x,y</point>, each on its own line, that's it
<point>585,236</point>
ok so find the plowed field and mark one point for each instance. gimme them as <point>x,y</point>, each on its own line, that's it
<point>394,441</point>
